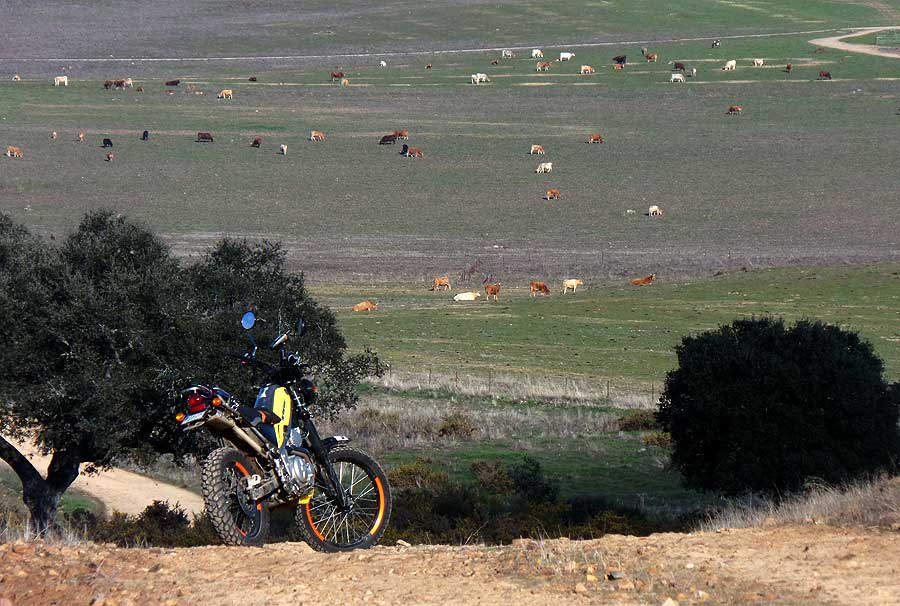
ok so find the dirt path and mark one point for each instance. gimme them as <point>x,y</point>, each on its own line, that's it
<point>121,490</point>
<point>787,566</point>
<point>836,43</point>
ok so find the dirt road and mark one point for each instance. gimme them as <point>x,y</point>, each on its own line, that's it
<point>836,42</point>
<point>787,566</point>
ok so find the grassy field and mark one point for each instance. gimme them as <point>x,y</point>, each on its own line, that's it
<point>11,498</point>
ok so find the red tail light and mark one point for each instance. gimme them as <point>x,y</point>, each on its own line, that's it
<point>196,404</point>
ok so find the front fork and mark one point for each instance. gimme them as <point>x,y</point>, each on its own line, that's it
<point>332,482</point>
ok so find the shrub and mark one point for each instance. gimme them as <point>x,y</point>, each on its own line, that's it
<point>658,438</point>
<point>416,475</point>
<point>758,406</point>
<point>638,420</point>
<point>457,425</point>
<point>160,524</point>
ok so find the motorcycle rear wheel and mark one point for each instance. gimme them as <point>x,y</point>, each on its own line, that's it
<point>368,494</point>
<point>236,518</point>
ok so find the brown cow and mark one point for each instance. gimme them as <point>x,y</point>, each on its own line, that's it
<point>543,66</point>
<point>789,68</point>
<point>204,138</point>
<point>110,157</point>
<point>139,89</point>
<point>256,142</point>
<point>552,194</point>
<point>411,152</point>
<point>13,152</point>
<point>587,70</point>
<point>336,76</point>
<point>644,281</point>
<point>495,62</point>
<point>537,149</point>
<point>652,57</point>
<point>345,82</point>
<point>595,138</point>
<point>317,136</point>
<point>618,67</point>
<point>225,93</point>
<point>440,283</point>
<point>17,78</point>
<point>388,140</point>
<point>365,306</point>
<point>492,290</point>
<point>120,84</point>
<point>539,287</point>
<point>428,66</point>
<point>402,134</point>
<point>251,79</point>
<point>734,110</point>
<point>81,137</point>
<point>824,75</point>
<point>108,84</point>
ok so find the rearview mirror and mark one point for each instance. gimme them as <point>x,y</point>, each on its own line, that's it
<point>248,320</point>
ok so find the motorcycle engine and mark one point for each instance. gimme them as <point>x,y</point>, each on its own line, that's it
<point>295,467</point>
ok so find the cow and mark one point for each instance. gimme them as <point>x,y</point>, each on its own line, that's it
<point>543,66</point>
<point>119,84</point>
<point>428,66</point>
<point>652,57</point>
<point>388,140</point>
<point>537,53</point>
<point>316,136</point>
<point>789,68</point>
<point>365,306</point>
<point>759,62</point>
<point>107,142</point>
<point>257,141</point>
<point>730,65</point>
<point>192,85</point>
<point>479,78</point>
<point>169,91</point>
<point>716,44</point>
<point>199,92</point>
<point>506,54</point>
<point>544,167</point>
<point>587,69</point>
<point>467,296</point>
<point>382,63</point>
<point>678,66</point>
<point>108,84</point>
<point>573,284</point>
<point>251,79</point>
<point>13,151</point>
<point>61,81</point>
<point>654,211</point>
<point>824,75</point>
<point>441,282</point>
<point>676,78</point>
<point>411,152</point>
<point>139,89</point>
<point>402,134</point>
<point>643,281</point>
<point>693,72</point>
<point>552,194</point>
<point>145,136</point>
<point>618,67</point>
<point>336,76</point>
<point>538,287</point>
<point>226,93</point>
<point>17,78</point>
<point>283,149</point>
<point>173,82</point>
<point>345,82</point>
<point>595,138</point>
<point>110,157</point>
<point>81,137</point>
<point>537,149</point>
<point>54,135</point>
<point>564,56</point>
<point>734,110</point>
<point>620,60</point>
<point>204,138</point>
<point>495,61</point>
<point>492,290</point>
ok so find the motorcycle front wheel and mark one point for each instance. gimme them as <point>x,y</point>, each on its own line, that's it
<point>361,523</point>
<point>235,516</point>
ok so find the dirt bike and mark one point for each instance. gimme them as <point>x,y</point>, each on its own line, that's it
<point>271,455</point>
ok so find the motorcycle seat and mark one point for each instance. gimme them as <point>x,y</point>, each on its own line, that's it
<point>255,416</point>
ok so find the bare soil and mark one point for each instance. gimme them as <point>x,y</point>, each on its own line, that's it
<point>787,565</point>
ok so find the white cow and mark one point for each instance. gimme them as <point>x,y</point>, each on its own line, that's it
<point>61,81</point>
<point>383,63</point>
<point>571,284</point>
<point>283,149</point>
<point>479,78</point>
<point>758,62</point>
<point>693,72</point>
<point>676,78</point>
<point>537,53</point>
<point>507,54</point>
<point>655,211</point>
<point>730,65</point>
<point>544,167</point>
<point>566,56</point>
<point>467,296</point>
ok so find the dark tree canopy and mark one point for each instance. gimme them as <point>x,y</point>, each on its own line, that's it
<point>762,407</point>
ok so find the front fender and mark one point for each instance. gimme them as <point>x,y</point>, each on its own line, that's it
<point>333,441</point>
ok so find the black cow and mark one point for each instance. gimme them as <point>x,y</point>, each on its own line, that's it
<point>620,59</point>
<point>173,82</point>
<point>145,136</point>
<point>716,43</point>
<point>388,140</point>
<point>107,142</point>
<point>204,137</point>
<point>678,67</point>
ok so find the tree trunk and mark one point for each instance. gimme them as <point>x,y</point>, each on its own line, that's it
<point>41,496</point>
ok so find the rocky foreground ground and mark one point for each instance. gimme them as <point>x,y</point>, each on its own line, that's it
<point>810,564</point>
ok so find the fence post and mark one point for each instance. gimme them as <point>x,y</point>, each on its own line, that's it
<point>457,380</point>
<point>429,376</point>
<point>490,380</point>
<point>607,389</point>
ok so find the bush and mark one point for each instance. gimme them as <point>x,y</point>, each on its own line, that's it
<point>159,525</point>
<point>638,420</point>
<point>457,425</point>
<point>757,406</point>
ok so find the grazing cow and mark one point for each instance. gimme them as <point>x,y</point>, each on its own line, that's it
<point>282,149</point>
<point>345,82</point>
<point>507,54</point>
<point>13,152</point>
<point>411,152</point>
<point>107,142</point>
<point>110,157</point>
<point>538,287</point>
<point>644,281</point>
<point>676,78</point>
<point>365,306</point>
<point>587,69</point>
<point>81,137</point>
<point>618,67</point>
<point>479,78</point>
<point>552,194</point>
<point>678,66</point>
<point>251,79</point>
<point>759,62</point>
<point>566,56</point>
<point>145,136</point>
<point>543,66</point>
<point>595,138</point>
<point>428,66</point>
<point>440,283</point>
<point>824,75</point>
<point>789,68</point>
<point>495,61</point>
<point>204,138</point>
<point>54,135</point>
<point>169,91</point>
<point>734,110</point>
<point>620,60</point>
<point>492,290</point>
<point>654,211</point>
<point>17,78</point>
<point>256,142</point>
<point>119,84</point>
<point>129,82</point>
<point>139,89</point>
<point>173,82</point>
<point>382,63</point>
<point>730,65</point>
<point>108,84</point>
<point>544,167</point>
<point>716,43</point>
<point>537,53</point>
<point>537,149</point>
<point>336,76</point>
<point>693,72</point>
<point>388,140</point>
<point>317,136</point>
<point>573,284</point>
<point>225,94</point>
<point>467,296</point>
<point>61,81</point>
<point>192,85</point>
<point>652,57</point>
<point>402,134</point>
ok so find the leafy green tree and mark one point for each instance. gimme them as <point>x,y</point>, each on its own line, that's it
<point>762,407</point>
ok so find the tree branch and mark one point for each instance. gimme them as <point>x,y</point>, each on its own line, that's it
<point>63,470</point>
<point>22,466</point>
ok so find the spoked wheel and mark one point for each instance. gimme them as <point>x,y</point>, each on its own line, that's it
<point>361,523</point>
<point>236,517</point>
